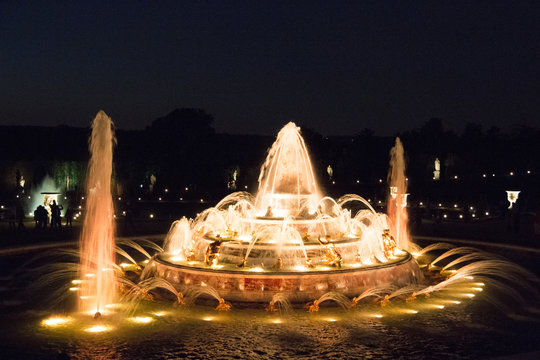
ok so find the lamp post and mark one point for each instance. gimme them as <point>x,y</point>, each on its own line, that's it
<point>512,197</point>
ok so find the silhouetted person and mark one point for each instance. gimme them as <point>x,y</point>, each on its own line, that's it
<point>56,220</point>
<point>19,216</point>
<point>69,216</point>
<point>41,217</point>
<point>36,218</point>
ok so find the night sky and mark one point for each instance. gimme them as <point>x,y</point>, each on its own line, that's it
<point>335,66</point>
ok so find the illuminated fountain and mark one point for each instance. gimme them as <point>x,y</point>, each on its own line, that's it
<point>289,238</point>
<point>288,247</point>
<point>512,197</point>
<point>97,247</point>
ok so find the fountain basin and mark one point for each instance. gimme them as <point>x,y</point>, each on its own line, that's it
<point>260,285</point>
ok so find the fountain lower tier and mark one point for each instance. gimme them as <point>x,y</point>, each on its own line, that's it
<point>258,285</point>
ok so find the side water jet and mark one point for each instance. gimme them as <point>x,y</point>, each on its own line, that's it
<point>97,239</point>
<point>397,199</point>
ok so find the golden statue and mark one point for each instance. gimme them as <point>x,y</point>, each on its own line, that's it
<point>180,299</point>
<point>191,256</point>
<point>242,263</point>
<point>223,305</point>
<point>389,243</point>
<point>312,306</point>
<point>331,257</point>
<point>269,212</point>
<point>279,264</point>
<point>212,251</point>
<point>271,307</point>
<point>411,298</point>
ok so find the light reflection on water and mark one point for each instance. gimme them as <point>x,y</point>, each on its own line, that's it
<point>464,331</point>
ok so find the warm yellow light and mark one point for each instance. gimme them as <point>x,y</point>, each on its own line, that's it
<point>276,321</point>
<point>410,311</point>
<point>477,289</point>
<point>256,269</point>
<point>55,321</point>
<point>125,265</point>
<point>76,282</point>
<point>469,295</point>
<point>73,289</point>
<point>469,277</point>
<point>90,275</point>
<point>208,318</point>
<point>84,297</point>
<point>142,319</point>
<point>98,328</point>
<point>378,316</point>
<point>300,268</point>
<point>151,216</point>
<point>177,258</point>
<point>160,313</point>
<point>331,319</point>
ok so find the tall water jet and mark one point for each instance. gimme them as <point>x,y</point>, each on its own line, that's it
<point>286,182</point>
<point>397,199</point>
<point>98,287</point>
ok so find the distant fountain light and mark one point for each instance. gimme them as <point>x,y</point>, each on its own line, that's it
<point>512,197</point>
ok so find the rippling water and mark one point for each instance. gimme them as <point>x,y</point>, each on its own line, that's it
<point>469,330</point>
<point>462,331</point>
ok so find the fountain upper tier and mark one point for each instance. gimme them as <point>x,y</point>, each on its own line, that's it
<point>287,185</point>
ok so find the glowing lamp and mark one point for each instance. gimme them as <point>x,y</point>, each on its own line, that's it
<point>512,197</point>
<point>98,329</point>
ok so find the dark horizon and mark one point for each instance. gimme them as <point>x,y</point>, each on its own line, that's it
<point>334,67</point>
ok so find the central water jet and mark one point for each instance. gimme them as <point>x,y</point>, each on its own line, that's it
<point>98,287</point>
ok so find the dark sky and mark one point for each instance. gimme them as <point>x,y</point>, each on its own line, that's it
<point>336,66</point>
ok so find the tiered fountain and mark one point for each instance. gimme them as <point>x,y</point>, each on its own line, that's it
<point>289,238</point>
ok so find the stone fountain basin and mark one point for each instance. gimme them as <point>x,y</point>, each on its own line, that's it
<point>246,285</point>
